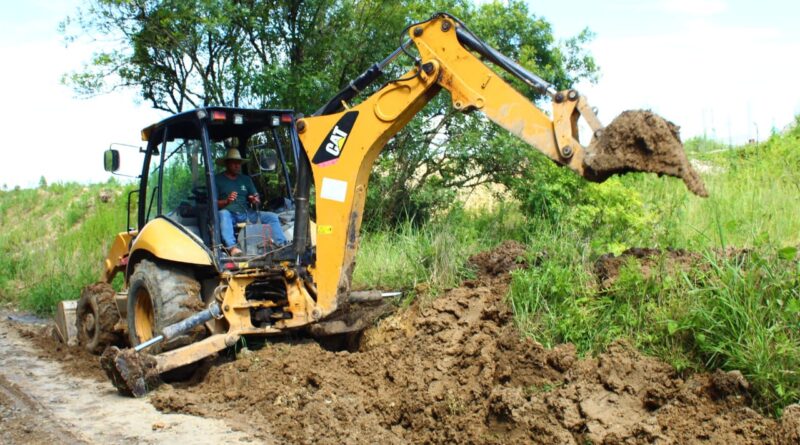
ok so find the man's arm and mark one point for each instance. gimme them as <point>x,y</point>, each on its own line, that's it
<point>222,203</point>
<point>252,193</point>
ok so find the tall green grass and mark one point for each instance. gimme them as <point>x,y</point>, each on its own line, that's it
<point>53,240</point>
<point>734,312</point>
<point>435,255</point>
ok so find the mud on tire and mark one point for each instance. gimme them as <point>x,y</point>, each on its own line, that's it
<point>95,317</point>
<point>159,295</point>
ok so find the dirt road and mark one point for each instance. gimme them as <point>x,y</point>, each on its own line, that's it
<point>42,403</point>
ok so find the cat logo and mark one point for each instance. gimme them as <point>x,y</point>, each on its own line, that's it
<point>333,145</point>
<point>336,141</point>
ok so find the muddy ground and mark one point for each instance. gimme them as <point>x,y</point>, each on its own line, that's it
<point>456,370</point>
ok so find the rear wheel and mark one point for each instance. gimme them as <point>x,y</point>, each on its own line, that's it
<point>160,295</point>
<point>96,315</point>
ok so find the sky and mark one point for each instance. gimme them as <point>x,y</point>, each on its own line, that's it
<point>725,69</point>
<point>47,131</point>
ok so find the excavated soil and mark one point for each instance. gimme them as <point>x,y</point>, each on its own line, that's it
<point>657,262</point>
<point>651,262</point>
<point>456,370</point>
<point>640,141</point>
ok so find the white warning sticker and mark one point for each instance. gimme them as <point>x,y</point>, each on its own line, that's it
<point>333,189</point>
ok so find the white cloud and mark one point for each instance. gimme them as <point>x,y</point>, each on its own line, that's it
<point>732,83</point>
<point>59,137</point>
<point>695,7</point>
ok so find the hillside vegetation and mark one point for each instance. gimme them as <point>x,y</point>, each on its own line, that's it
<point>53,240</point>
<point>728,297</point>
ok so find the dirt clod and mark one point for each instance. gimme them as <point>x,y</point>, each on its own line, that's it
<point>651,262</point>
<point>640,141</point>
<point>728,384</point>
<point>790,424</point>
<point>508,256</point>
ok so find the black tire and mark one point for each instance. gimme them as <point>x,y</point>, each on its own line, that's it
<point>95,317</point>
<point>160,295</point>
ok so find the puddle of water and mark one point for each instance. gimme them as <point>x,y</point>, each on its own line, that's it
<point>26,318</point>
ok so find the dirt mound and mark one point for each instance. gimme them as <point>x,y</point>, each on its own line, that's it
<point>658,263</point>
<point>456,370</point>
<point>507,257</point>
<point>651,262</point>
<point>640,141</point>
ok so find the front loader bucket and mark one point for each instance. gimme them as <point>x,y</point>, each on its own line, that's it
<point>640,141</point>
<point>65,322</point>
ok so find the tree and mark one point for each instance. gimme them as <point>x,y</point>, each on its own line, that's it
<point>295,54</point>
<point>421,167</point>
<point>179,54</point>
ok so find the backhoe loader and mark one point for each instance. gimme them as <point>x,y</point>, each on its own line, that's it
<point>185,297</point>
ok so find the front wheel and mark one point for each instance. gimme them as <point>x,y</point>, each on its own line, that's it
<point>96,315</point>
<point>159,295</point>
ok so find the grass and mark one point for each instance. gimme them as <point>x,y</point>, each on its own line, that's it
<point>729,312</point>
<point>433,256</point>
<point>53,240</point>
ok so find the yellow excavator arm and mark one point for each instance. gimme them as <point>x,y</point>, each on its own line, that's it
<point>342,143</point>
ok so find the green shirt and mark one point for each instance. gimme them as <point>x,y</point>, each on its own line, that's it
<point>242,185</point>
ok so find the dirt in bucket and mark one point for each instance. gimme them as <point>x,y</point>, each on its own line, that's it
<point>640,141</point>
<point>132,373</point>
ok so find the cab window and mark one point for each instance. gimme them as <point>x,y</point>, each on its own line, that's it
<point>177,177</point>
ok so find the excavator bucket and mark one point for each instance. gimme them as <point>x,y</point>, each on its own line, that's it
<point>640,141</point>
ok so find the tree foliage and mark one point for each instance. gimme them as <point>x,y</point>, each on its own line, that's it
<point>295,54</point>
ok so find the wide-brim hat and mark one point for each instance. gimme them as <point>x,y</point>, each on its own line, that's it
<point>232,155</point>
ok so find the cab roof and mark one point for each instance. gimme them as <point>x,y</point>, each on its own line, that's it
<point>222,123</point>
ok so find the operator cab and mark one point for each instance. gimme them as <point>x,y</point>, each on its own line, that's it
<point>177,178</point>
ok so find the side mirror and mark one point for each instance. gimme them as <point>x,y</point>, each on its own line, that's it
<point>267,160</point>
<point>111,160</point>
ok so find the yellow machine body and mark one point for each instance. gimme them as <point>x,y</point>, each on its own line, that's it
<point>163,239</point>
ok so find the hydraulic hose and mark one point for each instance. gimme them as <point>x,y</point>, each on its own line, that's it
<point>469,40</point>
